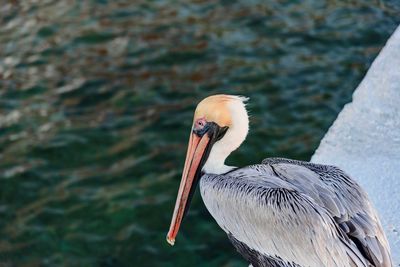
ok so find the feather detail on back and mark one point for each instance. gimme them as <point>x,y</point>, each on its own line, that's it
<point>345,200</point>
<point>300,213</point>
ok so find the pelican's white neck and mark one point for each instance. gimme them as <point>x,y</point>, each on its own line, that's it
<point>232,139</point>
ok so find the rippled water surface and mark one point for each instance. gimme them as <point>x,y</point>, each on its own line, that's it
<point>96,101</point>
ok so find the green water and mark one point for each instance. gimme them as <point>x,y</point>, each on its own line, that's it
<point>96,101</point>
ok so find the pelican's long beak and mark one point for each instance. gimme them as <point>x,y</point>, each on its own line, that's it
<point>195,158</point>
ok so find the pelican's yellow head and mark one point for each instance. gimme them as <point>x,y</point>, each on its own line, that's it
<point>215,109</point>
<point>219,109</point>
<point>220,125</point>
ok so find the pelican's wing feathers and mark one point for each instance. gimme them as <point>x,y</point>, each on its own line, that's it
<point>276,221</point>
<point>346,202</point>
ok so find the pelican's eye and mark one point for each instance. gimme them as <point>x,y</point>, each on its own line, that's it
<point>200,124</point>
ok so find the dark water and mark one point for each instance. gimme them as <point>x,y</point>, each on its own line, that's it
<point>96,101</point>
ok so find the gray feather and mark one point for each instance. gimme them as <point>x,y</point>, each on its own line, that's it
<point>301,213</point>
<point>351,206</point>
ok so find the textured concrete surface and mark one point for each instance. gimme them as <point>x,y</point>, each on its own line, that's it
<point>365,139</point>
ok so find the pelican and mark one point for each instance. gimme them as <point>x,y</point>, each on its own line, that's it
<point>281,212</point>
